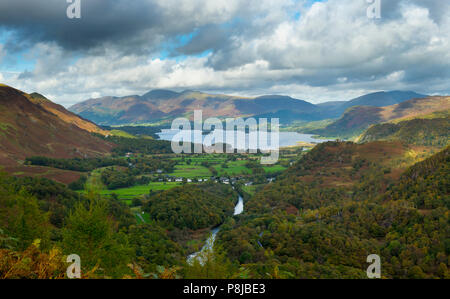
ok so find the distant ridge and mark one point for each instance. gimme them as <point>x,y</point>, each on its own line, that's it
<point>376,99</point>
<point>162,106</point>
<point>383,98</point>
<point>357,119</point>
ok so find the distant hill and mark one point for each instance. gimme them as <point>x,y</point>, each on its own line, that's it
<point>429,130</point>
<point>287,109</point>
<point>376,99</point>
<point>383,98</point>
<point>357,119</point>
<point>152,107</point>
<point>162,106</point>
<point>272,104</point>
<point>31,125</point>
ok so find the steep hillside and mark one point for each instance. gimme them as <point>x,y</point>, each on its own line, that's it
<point>64,114</point>
<point>357,119</point>
<point>427,130</point>
<point>427,183</point>
<point>27,128</point>
<point>332,170</point>
<point>340,203</point>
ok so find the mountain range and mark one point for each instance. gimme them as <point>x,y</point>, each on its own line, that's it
<point>162,106</point>
<point>32,125</point>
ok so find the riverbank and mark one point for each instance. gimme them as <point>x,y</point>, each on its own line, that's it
<point>209,244</point>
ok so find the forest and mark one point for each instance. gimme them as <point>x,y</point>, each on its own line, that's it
<point>320,230</point>
<point>321,218</point>
<point>192,207</point>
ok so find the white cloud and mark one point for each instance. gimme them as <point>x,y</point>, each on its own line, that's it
<point>332,52</point>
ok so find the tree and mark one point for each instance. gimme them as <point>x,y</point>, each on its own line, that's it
<point>21,217</point>
<point>90,234</point>
<point>154,248</point>
<point>211,264</point>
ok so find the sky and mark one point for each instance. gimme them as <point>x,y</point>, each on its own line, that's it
<point>316,51</point>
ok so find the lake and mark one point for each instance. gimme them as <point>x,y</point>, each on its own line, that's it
<point>286,138</point>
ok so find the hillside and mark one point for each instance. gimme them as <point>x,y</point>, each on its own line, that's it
<point>163,106</point>
<point>427,183</point>
<point>330,171</point>
<point>340,203</point>
<point>376,99</point>
<point>27,129</point>
<point>64,114</point>
<point>357,119</point>
<point>429,130</point>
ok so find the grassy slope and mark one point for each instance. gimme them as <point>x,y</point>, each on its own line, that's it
<point>29,129</point>
<point>426,132</point>
<point>64,114</point>
<point>357,119</point>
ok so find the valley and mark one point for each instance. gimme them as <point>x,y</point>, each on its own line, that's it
<point>131,208</point>
<point>225,148</point>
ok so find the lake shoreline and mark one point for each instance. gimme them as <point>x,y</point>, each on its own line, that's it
<point>286,139</point>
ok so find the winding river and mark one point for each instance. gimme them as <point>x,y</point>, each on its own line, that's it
<point>238,209</point>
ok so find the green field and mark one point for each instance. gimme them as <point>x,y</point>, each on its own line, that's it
<point>234,168</point>
<point>190,171</point>
<point>120,133</point>
<point>211,158</point>
<point>273,168</point>
<point>188,167</point>
<point>137,191</point>
<point>94,181</point>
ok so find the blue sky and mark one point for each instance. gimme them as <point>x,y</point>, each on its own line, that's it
<point>311,50</point>
<point>19,61</point>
